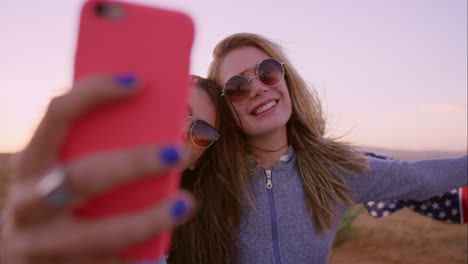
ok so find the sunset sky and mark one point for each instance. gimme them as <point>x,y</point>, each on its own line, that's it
<point>391,73</point>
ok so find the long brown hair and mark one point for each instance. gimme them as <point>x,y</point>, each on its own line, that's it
<point>211,235</point>
<point>222,185</point>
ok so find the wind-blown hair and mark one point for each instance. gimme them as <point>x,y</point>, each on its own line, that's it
<point>320,158</point>
<point>222,185</point>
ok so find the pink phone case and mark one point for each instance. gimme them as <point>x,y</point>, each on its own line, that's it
<point>155,45</point>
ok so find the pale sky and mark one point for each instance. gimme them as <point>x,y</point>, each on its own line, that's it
<point>391,73</point>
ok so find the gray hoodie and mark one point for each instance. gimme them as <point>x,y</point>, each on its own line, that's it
<point>278,229</point>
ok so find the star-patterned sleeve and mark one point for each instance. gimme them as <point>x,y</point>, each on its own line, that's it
<point>448,207</point>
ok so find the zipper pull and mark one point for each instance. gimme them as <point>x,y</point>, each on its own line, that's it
<point>269,184</point>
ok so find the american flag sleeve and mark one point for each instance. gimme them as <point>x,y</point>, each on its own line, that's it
<point>450,207</point>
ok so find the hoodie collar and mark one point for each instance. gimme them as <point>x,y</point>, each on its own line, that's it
<point>287,160</point>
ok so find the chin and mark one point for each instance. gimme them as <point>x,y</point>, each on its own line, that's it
<point>256,130</point>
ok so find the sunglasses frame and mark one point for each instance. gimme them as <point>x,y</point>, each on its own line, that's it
<point>194,122</point>
<point>256,76</point>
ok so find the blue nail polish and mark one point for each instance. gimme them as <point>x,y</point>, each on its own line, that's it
<point>126,80</point>
<point>169,155</point>
<point>179,209</point>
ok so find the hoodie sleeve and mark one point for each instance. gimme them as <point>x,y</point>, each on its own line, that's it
<point>403,180</point>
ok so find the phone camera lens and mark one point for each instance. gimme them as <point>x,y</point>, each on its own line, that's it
<point>113,12</point>
<point>101,9</point>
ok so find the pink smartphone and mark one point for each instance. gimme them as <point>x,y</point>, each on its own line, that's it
<point>155,45</point>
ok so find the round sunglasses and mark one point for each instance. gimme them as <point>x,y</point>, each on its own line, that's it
<point>238,88</point>
<point>202,135</point>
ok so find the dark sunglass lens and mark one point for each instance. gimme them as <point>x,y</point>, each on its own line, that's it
<point>270,72</point>
<point>202,134</point>
<point>237,89</point>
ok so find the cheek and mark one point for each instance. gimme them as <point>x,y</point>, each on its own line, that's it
<point>196,154</point>
<point>287,99</point>
<point>289,104</point>
<point>193,156</point>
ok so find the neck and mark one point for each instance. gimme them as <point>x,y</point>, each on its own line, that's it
<point>270,147</point>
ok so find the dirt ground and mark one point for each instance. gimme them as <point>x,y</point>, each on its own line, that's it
<point>404,237</point>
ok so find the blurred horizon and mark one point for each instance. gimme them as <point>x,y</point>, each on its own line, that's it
<point>391,74</point>
<point>401,154</point>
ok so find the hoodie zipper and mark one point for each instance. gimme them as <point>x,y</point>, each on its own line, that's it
<point>274,224</point>
<point>269,183</point>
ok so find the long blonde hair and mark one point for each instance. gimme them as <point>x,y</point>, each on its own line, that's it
<point>320,159</point>
<point>221,181</point>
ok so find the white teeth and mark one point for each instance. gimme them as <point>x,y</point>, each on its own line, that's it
<point>265,107</point>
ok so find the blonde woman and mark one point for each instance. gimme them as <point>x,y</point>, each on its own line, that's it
<point>281,185</point>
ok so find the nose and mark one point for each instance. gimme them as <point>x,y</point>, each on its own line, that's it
<point>186,128</point>
<point>257,87</point>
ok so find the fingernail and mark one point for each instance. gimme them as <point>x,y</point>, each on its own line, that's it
<point>126,80</point>
<point>169,155</point>
<point>179,209</point>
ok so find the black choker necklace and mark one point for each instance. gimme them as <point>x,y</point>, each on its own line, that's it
<point>267,150</point>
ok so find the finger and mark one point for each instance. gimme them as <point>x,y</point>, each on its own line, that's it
<point>98,173</point>
<point>89,175</point>
<point>85,95</point>
<point>89,238</point>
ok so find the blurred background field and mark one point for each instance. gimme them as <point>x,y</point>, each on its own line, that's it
<point>403,237</point>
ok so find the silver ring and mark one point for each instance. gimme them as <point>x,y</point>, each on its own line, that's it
<point>53,188</point>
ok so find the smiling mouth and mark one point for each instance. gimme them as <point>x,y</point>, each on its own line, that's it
<point>264,108</point>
